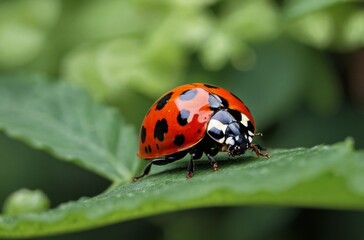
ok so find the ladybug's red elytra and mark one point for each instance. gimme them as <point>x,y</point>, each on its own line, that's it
<point>198,119</point>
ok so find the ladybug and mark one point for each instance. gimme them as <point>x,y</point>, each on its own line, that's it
<point>198,119</point>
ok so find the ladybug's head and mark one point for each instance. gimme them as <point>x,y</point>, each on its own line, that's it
<point>237,145</point>
<point>234,136</point>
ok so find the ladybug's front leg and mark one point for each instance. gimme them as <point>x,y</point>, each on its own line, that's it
<point>257,149</point>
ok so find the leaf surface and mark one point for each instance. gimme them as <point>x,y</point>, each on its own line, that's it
<point>65,121</point>
<point>323,176</point>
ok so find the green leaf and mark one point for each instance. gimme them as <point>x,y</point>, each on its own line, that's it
<point>323,176</point>
<point>63,120</point>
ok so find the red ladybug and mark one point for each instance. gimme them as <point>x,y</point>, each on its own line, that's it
<point>196,118</point>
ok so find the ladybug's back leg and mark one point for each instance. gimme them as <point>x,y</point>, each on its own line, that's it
<point>160,161</point>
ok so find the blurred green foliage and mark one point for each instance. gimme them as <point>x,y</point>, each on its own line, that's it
<point>296,64</point>
<point>26,201</point>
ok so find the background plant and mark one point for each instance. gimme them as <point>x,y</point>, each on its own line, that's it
<point>296,64</point>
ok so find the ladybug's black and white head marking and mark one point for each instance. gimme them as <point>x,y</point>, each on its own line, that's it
<point>248,125</point>
<point>235,134</point>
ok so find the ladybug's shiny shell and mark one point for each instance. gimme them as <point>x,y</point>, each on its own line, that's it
<point>179,120</point>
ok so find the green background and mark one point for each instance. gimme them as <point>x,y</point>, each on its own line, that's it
<point>298,66</point>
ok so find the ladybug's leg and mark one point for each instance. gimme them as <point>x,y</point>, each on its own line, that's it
<point>145,172</point>
<point>158,161</point>
<point>196,154</point>
<point>190,168</point>
<point>257,149</point>
<point>212,160</point>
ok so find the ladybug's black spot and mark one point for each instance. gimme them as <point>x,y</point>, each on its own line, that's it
<point>163,101</point>
<point>183,117</point>
<point>198,130</point>
<point>236,114</point>
<point>179,140</point>
<point>148,149</point>
<point>143,134</point>
<point>210,86</point>
<point>214,102</point>
<point>161,128</point>
<point>188,95</point>
<point>224,102</point>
